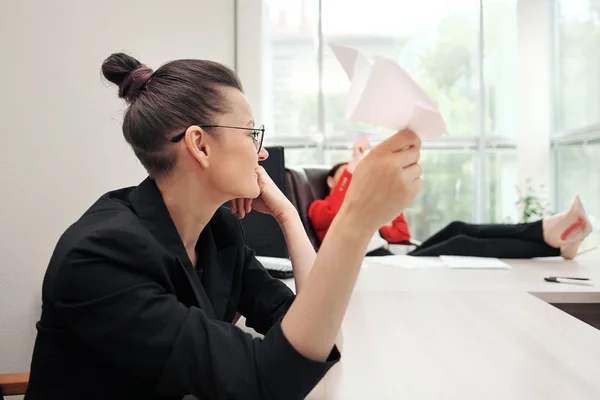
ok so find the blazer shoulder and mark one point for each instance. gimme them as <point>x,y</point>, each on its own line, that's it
<point>111,234</point>
<point>100,248</point>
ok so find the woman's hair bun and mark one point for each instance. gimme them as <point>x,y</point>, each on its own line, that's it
<point>128,73</point>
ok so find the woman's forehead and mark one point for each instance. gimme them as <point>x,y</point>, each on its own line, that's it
<point>240,106</point>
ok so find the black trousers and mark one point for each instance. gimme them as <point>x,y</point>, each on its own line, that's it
<point>493,240</point>
<point>379,252</point>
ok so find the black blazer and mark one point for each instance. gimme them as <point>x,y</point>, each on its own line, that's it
<point>126,315</point>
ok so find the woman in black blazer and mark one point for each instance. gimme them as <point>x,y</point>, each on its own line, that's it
<point>141,292</point>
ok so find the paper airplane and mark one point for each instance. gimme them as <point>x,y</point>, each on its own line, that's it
<point>383,94</point>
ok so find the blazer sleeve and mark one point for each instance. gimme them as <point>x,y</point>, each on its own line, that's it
<point>128,318</point>
<point>264,300</point>
<point>322,212</point>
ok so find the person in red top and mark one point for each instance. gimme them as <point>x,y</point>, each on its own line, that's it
<point>556,235</point>
<point>322,212</point>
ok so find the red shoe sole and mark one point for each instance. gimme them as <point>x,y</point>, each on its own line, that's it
<point>580,222</point>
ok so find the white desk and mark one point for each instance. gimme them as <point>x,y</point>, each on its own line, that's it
<point>458,334</point>
<point>525,276</point>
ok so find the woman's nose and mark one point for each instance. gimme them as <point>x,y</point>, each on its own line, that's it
<point>263,154</point>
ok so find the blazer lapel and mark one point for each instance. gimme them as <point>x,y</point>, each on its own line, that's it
<point>148,204</point>
<point>184,287</point>
<point>194,289</point>
<point>216,267</point>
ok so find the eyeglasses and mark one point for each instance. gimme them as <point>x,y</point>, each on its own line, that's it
<point>257,134</point>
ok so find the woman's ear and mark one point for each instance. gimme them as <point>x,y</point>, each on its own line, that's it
<point>196,140</point>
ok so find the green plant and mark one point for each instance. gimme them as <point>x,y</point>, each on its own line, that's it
<point>532,206</point>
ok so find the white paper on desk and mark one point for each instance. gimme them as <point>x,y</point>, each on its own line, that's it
<point>474,262</point>
<point>383,94</point>
<point>406,261</point>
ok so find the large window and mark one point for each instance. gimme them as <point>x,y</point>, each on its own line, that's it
<point>577,177</point>
<point>462,52</point>
<point>440,51</point>
<point>578,64</point>
<point>502,172</point>
<point>448,195</point>
<point>576,140</point>
<point>295,74</point>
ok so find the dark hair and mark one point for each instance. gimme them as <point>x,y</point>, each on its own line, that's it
<point>335,168</point>
<point>178,94</point>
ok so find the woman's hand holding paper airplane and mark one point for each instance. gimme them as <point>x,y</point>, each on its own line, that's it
<point>385,181</point>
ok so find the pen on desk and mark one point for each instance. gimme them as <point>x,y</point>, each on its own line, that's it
<point>567,277</point>
<point>576,281</point>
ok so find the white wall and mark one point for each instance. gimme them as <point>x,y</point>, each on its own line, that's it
<point>61,145</point>
<point>254,60</point>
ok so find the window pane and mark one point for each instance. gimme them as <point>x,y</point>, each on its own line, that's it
<point>448,192</point>
<point>302,156</point>
<point>499,66</point>
<point>502,186</point>
<point>436,42</point>
<point>334,156</point>
<point>578,172</point>
<point>578,64</point>
<point>292,35</point>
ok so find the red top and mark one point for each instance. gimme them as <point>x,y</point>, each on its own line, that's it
<point>322,213</point>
